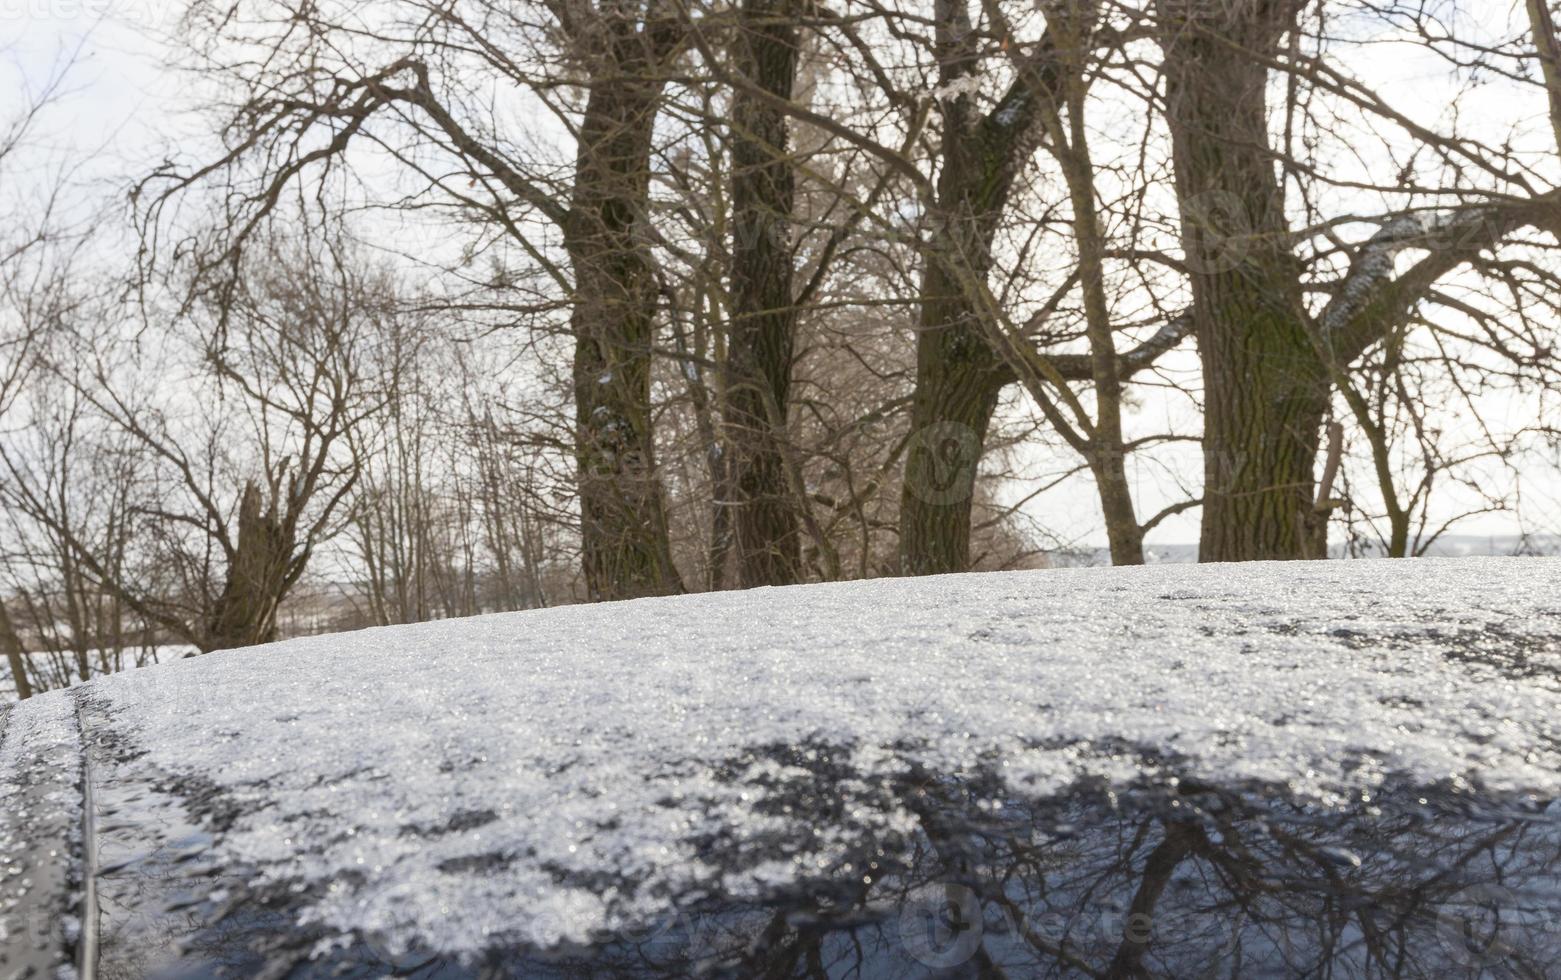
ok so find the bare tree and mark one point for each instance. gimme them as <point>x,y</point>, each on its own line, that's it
<point>245,469</point>
<point>36,250</point>
<point>1269,355</point>
<point>616,56</point>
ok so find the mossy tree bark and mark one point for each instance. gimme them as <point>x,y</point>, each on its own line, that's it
<point>1266,390</point>
<point>760,337</point>
<point>958,381</point>
<point>626,551</point>
<point>958,374</point>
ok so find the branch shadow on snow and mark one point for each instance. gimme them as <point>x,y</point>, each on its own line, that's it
<point>1166,877</point>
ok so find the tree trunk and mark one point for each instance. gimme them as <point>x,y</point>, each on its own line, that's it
<point>958,380</point>
<point>1123,532</point>
<point>624,539</point>
<point>13,654</point>
<point>763,318</point>
<point>259,575</point>
<point>1266,390</point>
<point>1264,403</point>
<point>958,374</point>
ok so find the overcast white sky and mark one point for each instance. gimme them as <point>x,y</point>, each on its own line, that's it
<point>121,98</point>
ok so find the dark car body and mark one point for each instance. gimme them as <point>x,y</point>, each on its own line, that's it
<point>856,849</point>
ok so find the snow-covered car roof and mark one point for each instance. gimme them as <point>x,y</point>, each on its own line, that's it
<point>773,778</point>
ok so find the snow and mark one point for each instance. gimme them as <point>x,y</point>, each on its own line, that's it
<point>121,658</point>
<point>1010,113</point>
<point>1376,260</point>
<point>957,88</point>
<point>373,771</point>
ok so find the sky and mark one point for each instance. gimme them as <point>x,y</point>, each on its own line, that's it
<point>120,96</point>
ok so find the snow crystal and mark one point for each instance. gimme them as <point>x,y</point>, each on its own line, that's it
<point>443,784</point>
<point>1009,114</point>
<point>957,87</point>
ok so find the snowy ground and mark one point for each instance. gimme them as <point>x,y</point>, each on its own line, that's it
<point>124,660</point>
<point>374,771</point>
